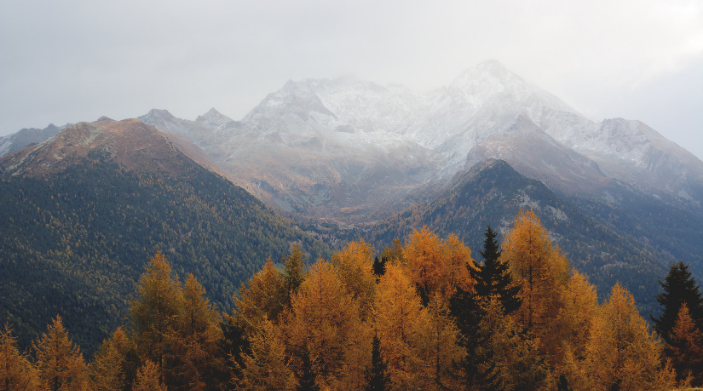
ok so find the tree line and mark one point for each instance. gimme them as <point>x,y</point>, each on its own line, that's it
<point>420,315</point>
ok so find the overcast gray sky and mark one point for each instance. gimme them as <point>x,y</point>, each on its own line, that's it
<point>70,61</point>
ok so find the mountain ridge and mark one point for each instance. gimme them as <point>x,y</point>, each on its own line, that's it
<point>440,132</point>
<point>84,211</point>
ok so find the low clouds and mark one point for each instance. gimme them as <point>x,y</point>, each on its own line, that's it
<point>68,61</point>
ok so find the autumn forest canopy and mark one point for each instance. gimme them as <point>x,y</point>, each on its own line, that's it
<point>424,314</point>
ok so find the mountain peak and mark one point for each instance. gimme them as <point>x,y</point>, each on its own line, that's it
<point>131,143</point>
<point>105,119</point>
<point>153,114</point>
<point>213,117</point>
<point>489,73</point>
<point>492,65</point>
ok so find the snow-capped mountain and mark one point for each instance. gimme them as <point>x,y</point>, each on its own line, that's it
<point>337,147</point>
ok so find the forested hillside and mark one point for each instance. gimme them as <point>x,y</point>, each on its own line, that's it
<point>74,243</point>
<point>426,315</point>
<point>492,192</point>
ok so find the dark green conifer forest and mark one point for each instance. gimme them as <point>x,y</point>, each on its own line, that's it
<point>74,243</point>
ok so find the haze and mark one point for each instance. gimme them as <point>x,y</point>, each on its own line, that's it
<point>71,61</point>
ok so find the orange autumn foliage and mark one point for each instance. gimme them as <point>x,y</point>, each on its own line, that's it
<point>620,352</point>
<point>59,360</point>
<point>543,273</point>
<point>322,319</point>
<point>262,298</point>
<point>439,266</point>
<point>17,373</point>
<point>400,320</point>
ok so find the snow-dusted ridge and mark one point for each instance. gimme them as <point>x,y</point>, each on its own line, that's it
<point>342,147</point>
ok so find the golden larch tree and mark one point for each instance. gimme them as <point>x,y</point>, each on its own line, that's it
<point>17,373</point>
<point>59,360</point>
<point>262,297</point>
<point>400,322</point>
<point>439,347</point>
<point>621,352</point>
<point>323,317</point>
<point>156,311</point>
<point>543,274</point>
<point>438,266</point>
<point>148,378</point>
<point>354,264</point>
<point>194,344</point>
<point>107,370</point>
<point>266,368</point>
<point>518,363</point>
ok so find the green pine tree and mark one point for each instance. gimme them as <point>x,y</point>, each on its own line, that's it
<point>379,266</point>
<point>493,276</point>
<point>468,310</point>
<point>679,287</point>
<point>563,384</point>
<point>307,378</point>
<point>377,375</point>
<point>293,271</point>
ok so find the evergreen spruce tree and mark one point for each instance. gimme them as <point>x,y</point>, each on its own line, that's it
<point>563,384</point>
<point>379,267</point>
<point>307,378</point>
<point>679,287</point>
<point>293,271</point>
<point>235,345</point>
<point>493,277</point>
<point>377,377</point>
<point>468,311</point>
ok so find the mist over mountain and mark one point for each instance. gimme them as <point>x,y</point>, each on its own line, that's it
<point>621,200</point>
<point>340,148</point>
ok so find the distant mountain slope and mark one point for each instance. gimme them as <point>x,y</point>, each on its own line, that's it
<point>493,192</point>
<point>84,211</point>
<point>25,137</point>
<point>296,165</point>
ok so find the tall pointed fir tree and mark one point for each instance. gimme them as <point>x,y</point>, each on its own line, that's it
<point>293,272</point>
<point>493,277</point>
<point>307,376</point>
<point>377,375</point>
<point>679,287</point>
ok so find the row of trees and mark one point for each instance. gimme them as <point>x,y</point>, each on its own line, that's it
<point>420,316</point>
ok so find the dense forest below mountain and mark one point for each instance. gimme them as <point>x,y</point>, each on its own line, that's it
<point>424,315</point>
<point>75,243</point>
<point>493,192</point>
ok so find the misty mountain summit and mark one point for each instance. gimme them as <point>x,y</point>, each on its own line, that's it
<point>342,147</point>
